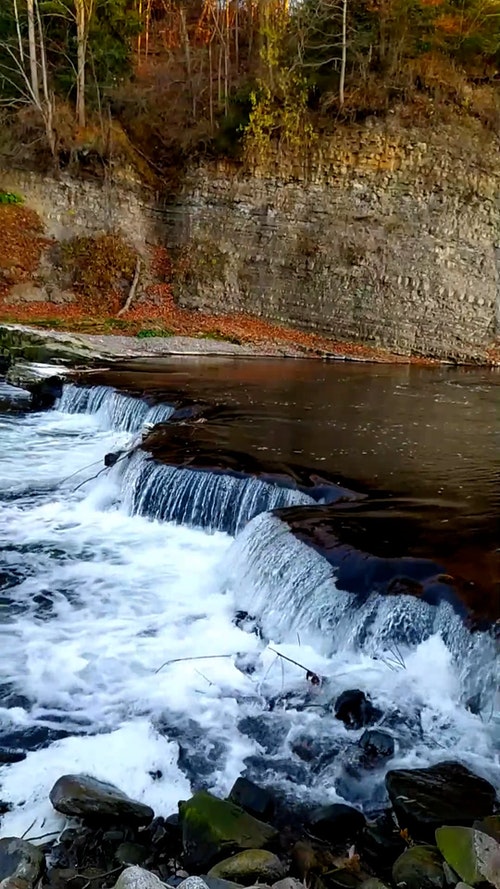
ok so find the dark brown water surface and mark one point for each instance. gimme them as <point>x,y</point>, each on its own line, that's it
<point>424,442</point>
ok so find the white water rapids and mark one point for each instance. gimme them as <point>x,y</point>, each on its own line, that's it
<point>96,595</point>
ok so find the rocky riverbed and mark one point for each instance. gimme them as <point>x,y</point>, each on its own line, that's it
<point>443,830</point>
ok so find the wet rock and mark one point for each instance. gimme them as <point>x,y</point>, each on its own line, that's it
<point>217,883</point>
<point>85,797</point>
<point>212,828</point>
<point>249,867</point>
<point>21,863</point>
<point>131,853</point>
<point>138,878</point>
<point>420,867</point>
<point>337,822</point>
<point>252,798</point>
<point>446,793</point>
<point>355,710</point>
<point>8,755</point>
<point>45,393</point>
<point>377,744</point>
<point>380,844</point>
<point>474,855</point>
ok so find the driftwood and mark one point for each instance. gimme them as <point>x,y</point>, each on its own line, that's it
<point>133,288</point>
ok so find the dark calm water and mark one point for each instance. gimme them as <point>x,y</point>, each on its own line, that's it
<point>429,437</point>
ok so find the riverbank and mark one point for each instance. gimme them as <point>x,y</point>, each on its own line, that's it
<point>113,340</point>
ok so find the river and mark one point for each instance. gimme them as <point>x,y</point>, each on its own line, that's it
<point>101,601</point>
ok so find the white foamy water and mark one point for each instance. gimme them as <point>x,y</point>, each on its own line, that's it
<point>95,600</point>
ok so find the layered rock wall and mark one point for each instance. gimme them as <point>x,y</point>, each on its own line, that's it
<point>384,237</point>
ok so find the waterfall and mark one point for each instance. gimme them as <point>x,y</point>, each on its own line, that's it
<point>209,500</point>
<point>114,409</point>
<point>291,590</point>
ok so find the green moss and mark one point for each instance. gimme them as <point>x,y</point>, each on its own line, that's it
<point>10,197</point>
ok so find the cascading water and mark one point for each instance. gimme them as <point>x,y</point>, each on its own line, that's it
<point>113,409</point>
<point>99,589</point>
<point>202,499</point>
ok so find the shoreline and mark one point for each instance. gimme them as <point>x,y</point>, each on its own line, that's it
<point>126,345</point>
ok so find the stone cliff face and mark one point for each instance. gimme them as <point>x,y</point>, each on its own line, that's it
<point>385,238</point>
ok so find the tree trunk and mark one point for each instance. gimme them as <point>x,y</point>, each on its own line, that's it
<point>81,43</point>
<point>344,54</point>
<point>32,50</point>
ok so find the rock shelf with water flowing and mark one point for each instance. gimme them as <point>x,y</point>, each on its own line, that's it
<point>150,565</point>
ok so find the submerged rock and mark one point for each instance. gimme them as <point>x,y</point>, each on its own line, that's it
<point>355,710</point>
<point>21,863</point>
<point>337,823</point>
<point>254,799</point>
<point>212,828</point>
<point>474,855</point>
<point>85,797</point>
<point>420,867</point>
<point>249,867</point>
<point>446,793</point>
<point>377,744</point>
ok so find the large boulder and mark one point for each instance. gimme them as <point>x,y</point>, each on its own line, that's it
<point>21,863</point>
<point>85,797</point>
<point>420,867</point>
<point>337,823</point>
<point>249,867</point>
<point>213,828</point>
<point>446,793</point>
<point>472,854</point>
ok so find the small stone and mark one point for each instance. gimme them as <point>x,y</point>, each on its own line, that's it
<point>85,797</point>
<point>21,863</point>
<point>420,867</point>
<point>288,883</point>
<point>138,878</point>
<point>193,883</point>
<point>249,867</point>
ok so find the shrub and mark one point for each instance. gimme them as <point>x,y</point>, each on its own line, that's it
<point>99,265</point>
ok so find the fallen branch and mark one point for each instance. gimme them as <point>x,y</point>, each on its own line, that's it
<point>311,676</point>
<point>201,657</point>
<point>132,290</point>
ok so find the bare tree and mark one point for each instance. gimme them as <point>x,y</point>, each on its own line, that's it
<point>20,77</point>
<point>30,6</point>
<point>84,11</point>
